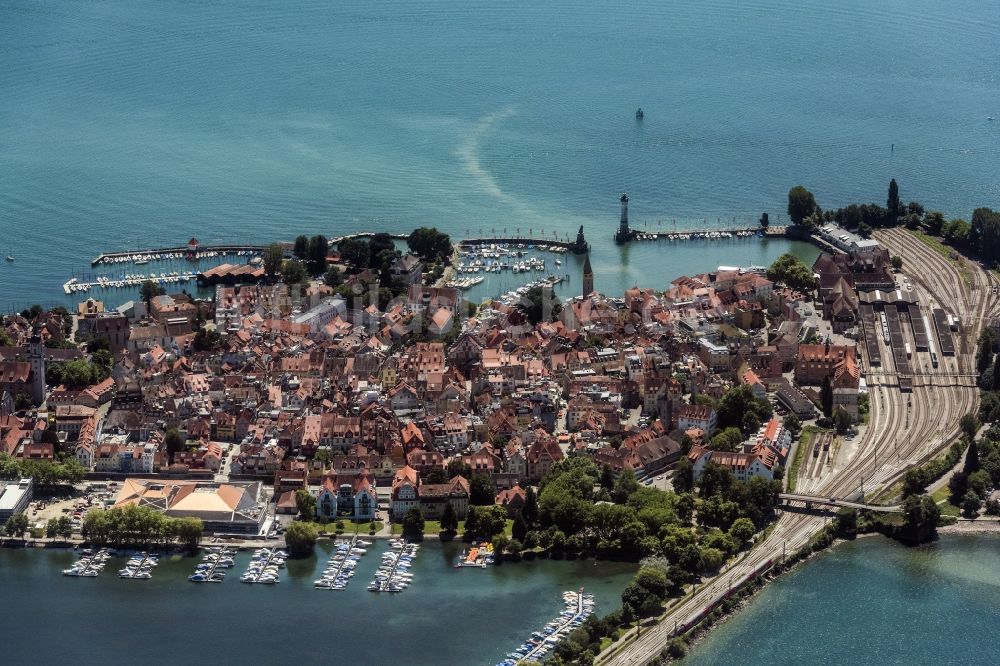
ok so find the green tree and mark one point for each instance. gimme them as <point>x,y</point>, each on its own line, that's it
<point>489,521</point>
<point>711,559</point>
<point>729,439</point>
<point>793,425</point>
<point>272,259</point>
<point>979,483</point>
<point>429,243</point>
<point>540,304</point>
<point>173,441</point>
<point>935,222</point>
<point>482,492</point>
<point>52,528</point>
<point>607,477</point>
<point>318,249</point>
<point>188,531</point>
<point>449,519</point>
<point>972,462</point>
<point>741,531</point>
<point>456,467</point>
<point>847,523</point>
<point>984,351</point>
<point>150,290</point>
<point>300,539</point>
<point>792,271</point>
<point>65,527</point>
<point>332,277</point>
<point>956,232</point>
<point>826,396</point>
<point>301,249</point>
<point>683,479</point>
<point>897,262</point>
<point>801,204</point>
<point>16,525</point>
<point>413,524</point>
<point>381,242</point>
<point>892,203</point>
<point>519,530</point>
<point>624,486</point>
<point>921,515</point>
<point>355,252</point>
<point>207,339</point>
<point>739,401</point>
<point>305,502</point>
<point>293,272</point>
<point>639,601</point>
<point>984,234</point>
<point>530,509</point>
<point>970,504</point>
<point>715,480</point>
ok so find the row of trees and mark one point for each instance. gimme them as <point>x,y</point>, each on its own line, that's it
<point>981,236</point>
<point>44,472</point>
<point>805,213</point>
<point>312,252</point>
<point>139,526</point>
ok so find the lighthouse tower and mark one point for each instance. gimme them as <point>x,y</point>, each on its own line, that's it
<point>624,234</point>
<point>36,356</point>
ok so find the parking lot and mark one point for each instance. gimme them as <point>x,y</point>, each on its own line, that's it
<point>87,496</point>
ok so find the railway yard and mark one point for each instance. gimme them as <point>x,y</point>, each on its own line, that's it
<point>920,376</point>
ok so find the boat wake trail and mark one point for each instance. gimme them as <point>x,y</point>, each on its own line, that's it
<point>468,152</point>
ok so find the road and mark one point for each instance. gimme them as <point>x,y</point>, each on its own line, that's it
<point>905,429</point>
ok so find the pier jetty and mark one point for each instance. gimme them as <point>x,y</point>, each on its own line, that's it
<point>177,252</point>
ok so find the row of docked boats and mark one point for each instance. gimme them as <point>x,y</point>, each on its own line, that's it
<point>393,574</point>
<point>340,568</point>
<point>214,565</point>
<point>139,567</point>
<point>464,283</point>
<point>700,235</point>
<point>578,607</point>
<point>498,265</point>
<point>264,566</point>
<point>514,296</point>
<point>90,564</point>
<point>142,258</point>
<point>126,280</point>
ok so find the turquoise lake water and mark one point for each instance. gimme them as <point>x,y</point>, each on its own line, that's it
<point>135,123</point>
<point>872,602</point>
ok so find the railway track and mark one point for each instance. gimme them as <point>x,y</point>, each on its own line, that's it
<point>905,430</point>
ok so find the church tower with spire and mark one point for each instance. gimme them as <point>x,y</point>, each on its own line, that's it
<point>36,356</point>
<point>588,277</point>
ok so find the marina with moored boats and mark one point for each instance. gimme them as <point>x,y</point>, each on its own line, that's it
<point>393,575</point>
<point>578,607</point>
<point>340,567</point>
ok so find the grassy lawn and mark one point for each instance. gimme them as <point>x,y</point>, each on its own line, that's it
<point>935,244</point>
<point>434,527</point>
<point>800,450</point>
<point>893,491</point>
<point>349,527</point>
<point>943,496</point>
<point>430,527</point>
